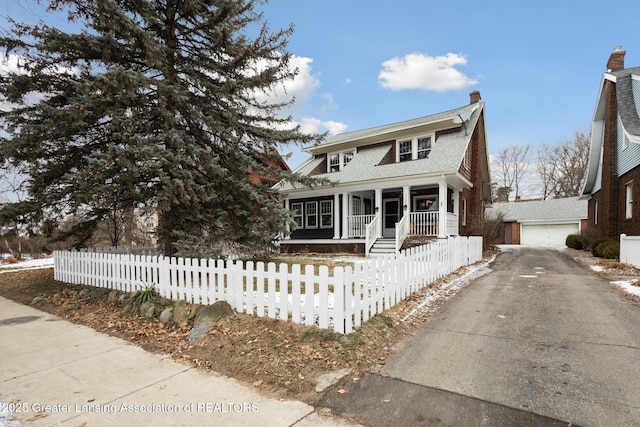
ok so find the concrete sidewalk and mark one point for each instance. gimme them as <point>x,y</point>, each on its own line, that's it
<point>54,372</point>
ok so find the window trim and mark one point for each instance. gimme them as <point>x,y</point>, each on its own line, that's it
<point>595,212</point>
<point>342,161</point>
<point>415,153</point>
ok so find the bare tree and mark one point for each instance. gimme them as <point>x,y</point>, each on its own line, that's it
<point>512,168</point>
<point>563,167</point>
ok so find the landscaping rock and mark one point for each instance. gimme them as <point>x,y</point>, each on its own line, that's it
<point>327,380</point>
<point>98,293</point>
<point>166,315</point>
<point>207,317</point>
<point>85,292</point>
<point>181,312</point>
<point>36,300</point>
<point>147,309</point>
<point>113,296</point>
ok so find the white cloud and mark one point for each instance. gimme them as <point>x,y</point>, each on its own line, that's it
<point>420,71</point>
<point>314,125</point>
<point>301,87</point>
<point>330,103</point>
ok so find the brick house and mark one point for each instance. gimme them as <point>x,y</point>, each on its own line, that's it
<point>613,174</point>
<point>421,178</point>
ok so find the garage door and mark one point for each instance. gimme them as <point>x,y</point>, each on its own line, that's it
<point>546,234</point>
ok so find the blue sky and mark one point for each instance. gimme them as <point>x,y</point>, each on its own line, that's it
<point>537,65</point>
<point>362,63</point>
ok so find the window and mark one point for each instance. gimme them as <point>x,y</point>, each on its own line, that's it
<point>405,151</point>
<point>424,147</point>
<point>334,162</point>
<point>412,149</point>
<point>326,213</point>
<point>425,203</point>
<point>346,156</point>
<point>296,208</point>
<point>337,161</point>
<point>356,206</point>
<point>311,214</point>
<point>464,211</point>
<point>629,200</point>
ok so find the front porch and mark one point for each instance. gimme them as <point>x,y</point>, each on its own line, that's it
<point>357,219</point>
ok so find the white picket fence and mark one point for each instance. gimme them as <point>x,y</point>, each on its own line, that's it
<point>340,300</point>
<point>630,250</point>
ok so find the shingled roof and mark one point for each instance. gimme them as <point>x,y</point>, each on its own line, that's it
<point>445,157</point>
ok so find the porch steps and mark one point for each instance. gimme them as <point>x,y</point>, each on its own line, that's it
<point>383,247</point>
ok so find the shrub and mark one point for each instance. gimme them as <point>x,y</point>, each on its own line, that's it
<point>595,245</point>
<point>574,241</point>
<point>610,249</point>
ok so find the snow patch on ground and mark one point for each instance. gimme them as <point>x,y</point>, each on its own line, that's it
<point>597,268</point>
<point>31,264</point>
<point>629,286</point>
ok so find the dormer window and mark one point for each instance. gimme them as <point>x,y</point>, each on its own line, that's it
<point>413,149</point>
<point>337,161</point>
<point>424,147</point>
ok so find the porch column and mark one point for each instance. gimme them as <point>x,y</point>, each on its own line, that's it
<point>287,226</point>
<point>336,216</point>
<point>406,199</point>
<point>442,208</point>
<point>345,214</point>
<point>378,209</point>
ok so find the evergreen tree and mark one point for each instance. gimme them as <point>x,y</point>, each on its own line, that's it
<point>153,104</point>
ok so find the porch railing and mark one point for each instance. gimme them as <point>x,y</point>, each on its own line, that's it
<point>357,225</point>
<point>372,231</point>
<point>402,231</point>
<point>423,223</point>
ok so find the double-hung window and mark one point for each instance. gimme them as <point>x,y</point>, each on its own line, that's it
<point>337,161</point>
<point>311,214</point>
<point>413,149</point>
<point>405,150</point>
<point>424,147</point>
<point>334,162</point>
<point>296,208</point>
<point>326,213</point>
<point>629,200</point>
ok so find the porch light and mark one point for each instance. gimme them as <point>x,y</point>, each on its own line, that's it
<point>404,207</point>
<point>377,209</point>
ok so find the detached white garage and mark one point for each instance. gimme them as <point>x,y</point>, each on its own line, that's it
<point>541,222</point>
<point>546,234</point>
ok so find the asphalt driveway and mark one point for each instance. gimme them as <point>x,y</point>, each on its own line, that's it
<point>538,341</point>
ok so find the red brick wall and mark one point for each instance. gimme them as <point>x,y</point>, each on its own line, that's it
<point>475,204</point>
<point>630,226</point>
<point>608,197</point>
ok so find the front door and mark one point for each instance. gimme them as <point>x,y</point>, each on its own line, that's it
<point>391,211</point>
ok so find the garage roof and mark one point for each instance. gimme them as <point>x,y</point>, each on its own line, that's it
<point>541,210</point>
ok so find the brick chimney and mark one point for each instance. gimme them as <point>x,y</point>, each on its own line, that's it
<point>474,97</point>
<point>616,60</point>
